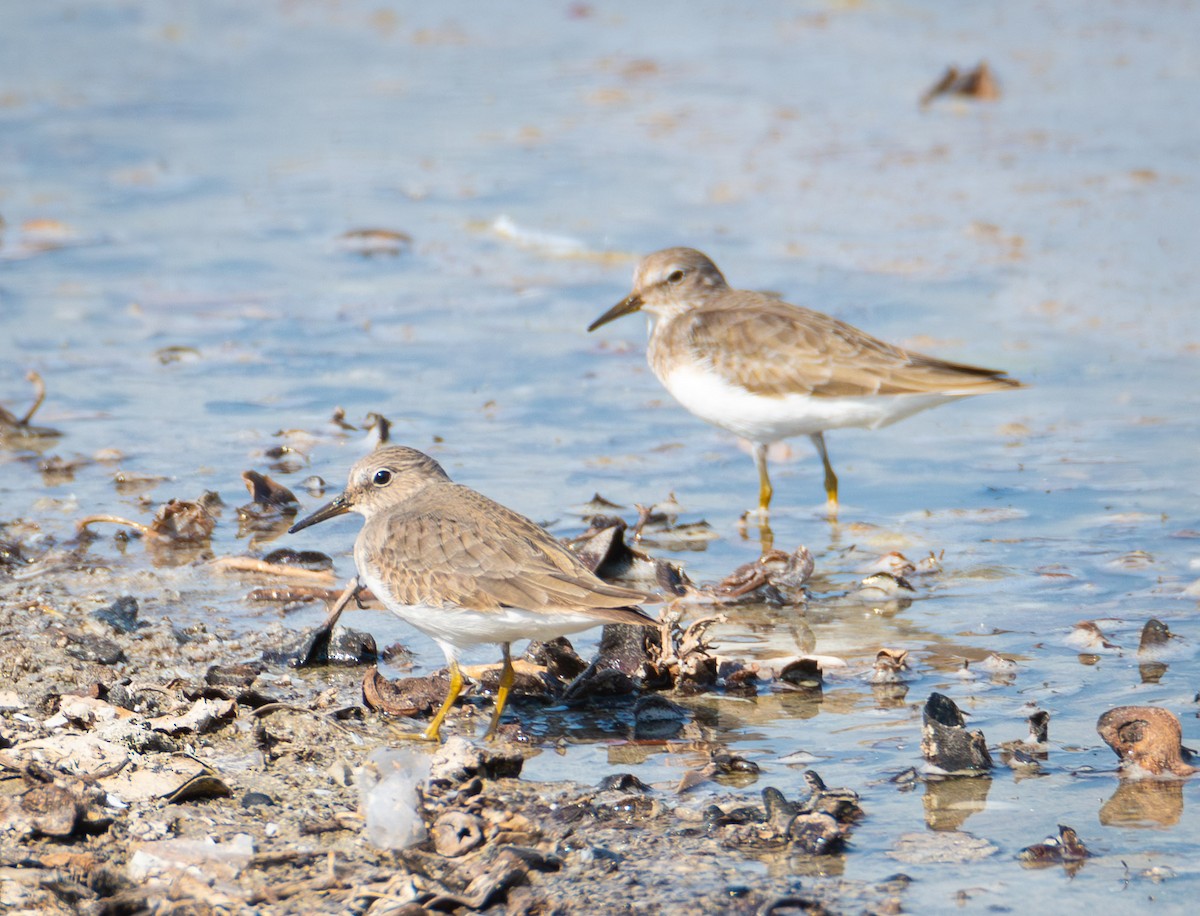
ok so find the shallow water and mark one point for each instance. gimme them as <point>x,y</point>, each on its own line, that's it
<point>176,178</point>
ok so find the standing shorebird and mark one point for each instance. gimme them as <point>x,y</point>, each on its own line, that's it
<point>463,569</point>
<point>767,370</point>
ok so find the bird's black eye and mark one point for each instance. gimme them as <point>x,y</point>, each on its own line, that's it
<point>675,276</point>
<point>382,477</point>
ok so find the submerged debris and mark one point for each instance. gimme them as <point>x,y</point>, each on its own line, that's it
<point>718,763</point>
<point>14,429</point>
<point>657,525</point>
<point>816,824</point>
<point>265,494</point>
<point>1063,848</point>
<point>946,743</point>
<point>596,506</point>
<point>884,586</point>
<point>775,578</point>
<point>804,674</point>
<point>283,567</point>
<point>177,522</point>
<point>1087,636</point>
<point>1028,753</point>
<point>890,666</point>
<point>1155,635</point>
<point>978,83</point>
<point>372,243</point>
<point>272,509</point>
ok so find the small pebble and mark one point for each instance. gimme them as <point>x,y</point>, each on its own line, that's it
<point>253,799</point>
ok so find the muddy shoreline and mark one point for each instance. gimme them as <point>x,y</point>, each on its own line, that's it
<point>190,775</point>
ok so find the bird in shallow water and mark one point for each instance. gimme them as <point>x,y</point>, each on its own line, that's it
<point>767,370</point>
<point>463,569</point>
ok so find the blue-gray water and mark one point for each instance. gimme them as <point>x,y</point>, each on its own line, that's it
<point>181,177</point>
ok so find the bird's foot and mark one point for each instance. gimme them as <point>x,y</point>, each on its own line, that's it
<point>760,519</point>
<point>404,734</point>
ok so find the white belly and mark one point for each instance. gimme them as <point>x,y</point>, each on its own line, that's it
<point>458,628</point>
<point>761,418</point>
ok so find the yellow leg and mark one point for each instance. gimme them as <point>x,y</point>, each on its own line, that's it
<point>766,538</point>
<point>831,485</point>
<point>507,676</point>
<point>456,686</point>
<point>764,482</point>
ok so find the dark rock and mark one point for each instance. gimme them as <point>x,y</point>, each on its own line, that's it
<point>558,657</point>
<point>598,683</point>
<point>257,799</point>
<point>301,559</point>
<point>815,834</point>
<point>319,647</point>
<point>121,615</point>
<point>625,647</point>
<point>733,764</point>
<point>144,702</point>
<point>352,647</point>
<point>697,674</point>
<point>804,674</point>
<point>11,555</point>
<point>88,648</point>
<point>238,677</point>
<point>622,782</point>
<point>1039,727</point>
<point>657,718</point>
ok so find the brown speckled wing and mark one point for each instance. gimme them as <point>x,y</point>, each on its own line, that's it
<point>449,546</point>
<point>772,348</point>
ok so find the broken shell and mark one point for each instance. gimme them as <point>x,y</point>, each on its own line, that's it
<point>946,743</point>
<point>1148,737</point>
<point>456,833</point>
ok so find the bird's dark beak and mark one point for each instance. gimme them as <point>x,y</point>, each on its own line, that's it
<point>627,306</point>
<point>332,509</point>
